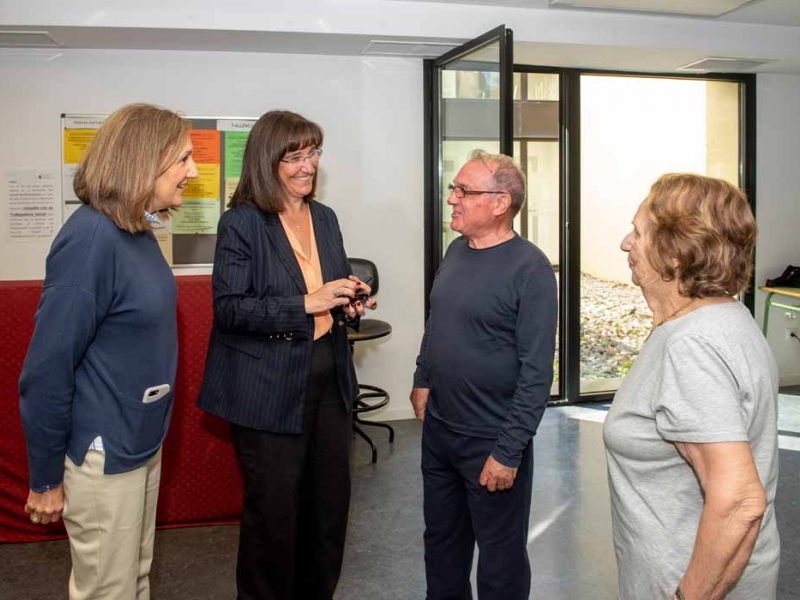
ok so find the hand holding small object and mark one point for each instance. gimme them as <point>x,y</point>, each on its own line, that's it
<point>360,300</point>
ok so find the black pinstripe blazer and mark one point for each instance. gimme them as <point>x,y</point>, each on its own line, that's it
<point>259,353</point>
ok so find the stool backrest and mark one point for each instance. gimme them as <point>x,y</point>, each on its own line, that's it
<point>366,271</point>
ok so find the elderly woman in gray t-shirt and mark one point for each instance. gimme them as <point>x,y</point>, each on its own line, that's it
<point>691,437</point>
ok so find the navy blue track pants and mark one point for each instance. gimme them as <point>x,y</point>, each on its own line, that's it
<point>459,513</point>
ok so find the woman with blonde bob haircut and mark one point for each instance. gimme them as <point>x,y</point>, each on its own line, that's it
<point>119,174</point>
<point>96,386</point>
<point>691,438</point>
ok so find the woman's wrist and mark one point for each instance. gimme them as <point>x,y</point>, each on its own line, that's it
<point>308,305</point>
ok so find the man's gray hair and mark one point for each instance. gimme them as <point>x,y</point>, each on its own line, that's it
<point>507,175</point>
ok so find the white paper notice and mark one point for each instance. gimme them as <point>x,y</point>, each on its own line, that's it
<point>31,202</point>
<point>235,124</point>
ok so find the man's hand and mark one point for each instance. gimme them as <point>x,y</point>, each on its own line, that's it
<point>47,506</point>
<point>497,477</point>
<point>419,400</point>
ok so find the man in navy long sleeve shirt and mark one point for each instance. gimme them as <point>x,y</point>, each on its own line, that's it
<point>481,386</point>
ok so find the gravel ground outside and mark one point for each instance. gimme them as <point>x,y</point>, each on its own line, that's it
<point>615,322</point>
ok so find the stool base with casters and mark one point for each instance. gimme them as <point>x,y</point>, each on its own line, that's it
<point>370,397</point>
<point>361,406</point>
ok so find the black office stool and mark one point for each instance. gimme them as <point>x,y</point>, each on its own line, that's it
<point>370,397</point>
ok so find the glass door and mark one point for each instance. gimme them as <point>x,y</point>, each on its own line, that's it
<point>472,108</point>
<point>477,101</point>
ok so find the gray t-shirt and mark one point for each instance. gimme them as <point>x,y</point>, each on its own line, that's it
<point>706,377</point>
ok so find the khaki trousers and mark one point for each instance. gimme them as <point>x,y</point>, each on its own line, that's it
<point>110,521</point>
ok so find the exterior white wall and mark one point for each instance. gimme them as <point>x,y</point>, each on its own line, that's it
<point>370,109</point>
<point>633,130</point>
<point>778,207</point>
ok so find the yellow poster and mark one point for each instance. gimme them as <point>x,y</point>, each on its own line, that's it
<point>196,216</point>
<point>76,141</point>
<point>230,187</point>
<point>206,185</point>
<point>164,239</point>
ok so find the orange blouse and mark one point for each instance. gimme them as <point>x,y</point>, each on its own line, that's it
<point>312,273</point>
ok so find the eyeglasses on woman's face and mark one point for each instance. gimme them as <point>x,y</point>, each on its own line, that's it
<point>460,191</point>
<point>297,159</point>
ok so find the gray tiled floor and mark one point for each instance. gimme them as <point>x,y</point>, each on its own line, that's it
<point>570,539</point>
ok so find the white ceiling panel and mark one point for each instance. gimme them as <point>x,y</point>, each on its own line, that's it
<point>620,58</point>
<point>768,12</point>
<point>763,12</point>
<point>509,3</point>
<point>697,8</point>
<point>136,38</point>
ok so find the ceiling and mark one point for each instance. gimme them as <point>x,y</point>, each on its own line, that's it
<point>680,40</point>
<point>761,12</point>
<point>280,42</point>
<point>614,58</point>
<point>620,58</point>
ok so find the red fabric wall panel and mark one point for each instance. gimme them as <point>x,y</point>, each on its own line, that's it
<point>200,479</point>
<point>18,302</point>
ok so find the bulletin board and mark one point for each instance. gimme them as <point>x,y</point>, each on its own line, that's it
<point>190,235</point>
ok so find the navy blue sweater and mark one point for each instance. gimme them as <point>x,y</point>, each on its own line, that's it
<point>105,331</point>
<point>487,353</point>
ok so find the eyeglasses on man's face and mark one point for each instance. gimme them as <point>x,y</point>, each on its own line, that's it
<point>297,159</point>
<point>460,191</point>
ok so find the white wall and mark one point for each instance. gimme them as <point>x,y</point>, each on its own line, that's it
<point>778,205</point>
<point>371,110</point>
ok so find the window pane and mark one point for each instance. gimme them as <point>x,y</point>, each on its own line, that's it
<point>543,86</point>
<point>633,130</point>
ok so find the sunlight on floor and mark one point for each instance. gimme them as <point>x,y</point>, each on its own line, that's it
<point>788,419</point>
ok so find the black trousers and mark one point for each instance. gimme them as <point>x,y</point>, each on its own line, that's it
<point>296,496</point>
<point>459,513</point>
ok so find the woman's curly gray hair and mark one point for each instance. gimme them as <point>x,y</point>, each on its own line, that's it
<point>703,232</point>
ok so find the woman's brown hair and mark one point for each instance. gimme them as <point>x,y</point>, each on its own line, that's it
<point>274,135</point>
<point>703,231</point>
<point>117,175</point>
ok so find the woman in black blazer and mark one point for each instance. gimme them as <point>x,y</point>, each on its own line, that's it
<point>279,367</point>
